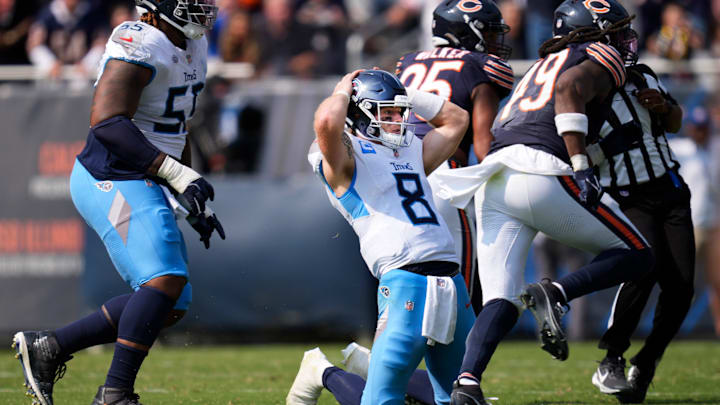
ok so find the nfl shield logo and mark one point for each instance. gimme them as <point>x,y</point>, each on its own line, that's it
<point>441,283</point>
<point>409,305</point>
<point>189,58</point>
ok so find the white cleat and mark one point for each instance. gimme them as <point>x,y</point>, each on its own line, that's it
<point>308,386</point>
<point>356,359</point>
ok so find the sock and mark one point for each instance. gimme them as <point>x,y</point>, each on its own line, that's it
<point>420,388</point>
<point>94,329</point>
<point>346,387</point>
<point>492,324</point>
<point>609,268</point>
<point>125,365</point>
<point>140,323</point>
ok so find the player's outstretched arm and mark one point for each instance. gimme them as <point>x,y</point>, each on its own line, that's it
<point>329,123</point>
<point>450,124</point>
<point>485,107</point>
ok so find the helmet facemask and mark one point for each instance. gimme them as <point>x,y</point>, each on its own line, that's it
<point>371,125</point>
<point>626,42</point>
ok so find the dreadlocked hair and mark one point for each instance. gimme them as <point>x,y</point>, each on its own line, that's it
<point>151,18</point>
<point>580,35</point>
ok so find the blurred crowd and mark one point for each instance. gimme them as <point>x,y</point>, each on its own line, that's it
<point>312,38</point>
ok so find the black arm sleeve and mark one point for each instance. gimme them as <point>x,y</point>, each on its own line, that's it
<point>124,140</point>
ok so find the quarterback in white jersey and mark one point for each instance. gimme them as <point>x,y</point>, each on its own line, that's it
<point>376,177</point>
<point>153,71</point>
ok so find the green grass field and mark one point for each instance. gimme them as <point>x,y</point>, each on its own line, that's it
<point>520,373</point>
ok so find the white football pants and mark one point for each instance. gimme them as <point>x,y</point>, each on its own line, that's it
<point>512,206</point>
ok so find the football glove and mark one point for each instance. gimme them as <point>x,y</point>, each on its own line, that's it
<point>204,224</point>
<point>195,195</point>
<point>590,189</point>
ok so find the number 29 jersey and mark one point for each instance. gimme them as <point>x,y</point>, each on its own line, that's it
<point>453,74</point>
<point>389,205</point>
<point>178,76</point>
<point>528,117</point>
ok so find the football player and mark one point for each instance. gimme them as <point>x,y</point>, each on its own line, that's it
<point>375,173</point>
<point>467,67</point>
<point>537,177</point>
<point>153,71</point>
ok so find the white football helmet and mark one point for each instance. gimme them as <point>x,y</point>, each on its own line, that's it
<point>192,17</point>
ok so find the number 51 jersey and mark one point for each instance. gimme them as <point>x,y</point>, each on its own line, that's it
<point>529,116</point>
<point>178,76</point>
<point>389,205</point>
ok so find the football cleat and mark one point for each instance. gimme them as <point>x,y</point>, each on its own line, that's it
<point>639,381</point>
<point>610,376</point>
<point>42,365</point>
<point>356,359</point>
<point>115,396</point>
<point>545,302</point>
<point>308,385</point>
<point>467,395</point>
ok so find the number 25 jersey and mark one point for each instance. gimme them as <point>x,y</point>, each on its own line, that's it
<point>389,205</point>
<point>453,74</point>
<point>528,117</point>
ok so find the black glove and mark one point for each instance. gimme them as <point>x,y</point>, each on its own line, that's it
<point>194,197</point>
<point>204,225</point>
<point>590,189</point>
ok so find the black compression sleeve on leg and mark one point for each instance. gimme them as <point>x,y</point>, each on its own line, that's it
<point>123,139</point>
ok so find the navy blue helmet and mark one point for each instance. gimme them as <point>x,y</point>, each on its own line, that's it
<point>372,91</point>
<point>600,15</point>
<point>192,17</point>
<point>474,25</point>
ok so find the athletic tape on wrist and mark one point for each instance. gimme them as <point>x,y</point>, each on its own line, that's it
<point>177,174</point>
<point>579,162</point>
<point>571,122</point>
<point>424,104</point>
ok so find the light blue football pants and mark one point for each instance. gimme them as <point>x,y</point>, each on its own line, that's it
<point>399,345</point>
<point>135,222</point>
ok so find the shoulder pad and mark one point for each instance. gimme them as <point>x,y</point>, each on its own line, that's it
<point>499,72</point>
<point>131,37</point>
<point>608,58</point>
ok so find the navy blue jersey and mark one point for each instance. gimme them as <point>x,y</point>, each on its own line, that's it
<point>529,116</point>
<point>453,74</point>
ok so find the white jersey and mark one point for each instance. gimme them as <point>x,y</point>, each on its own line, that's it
<point>178,76</point>
<point>389,205</point>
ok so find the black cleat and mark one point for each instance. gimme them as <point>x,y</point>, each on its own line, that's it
<point>42,365</point>
<point>467,395</point>
<point>547,305</point>
<point>639,381</point>
<point>610,376</point>
<point>115,396</point>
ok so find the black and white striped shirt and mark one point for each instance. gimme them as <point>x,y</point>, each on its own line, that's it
<point>649,156</point>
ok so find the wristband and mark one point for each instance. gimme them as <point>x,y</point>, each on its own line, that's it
<point>579,162</point>
<point>177,174</point>
<point>424,104</point>
<point>571,122</point>
<point>344,93</point>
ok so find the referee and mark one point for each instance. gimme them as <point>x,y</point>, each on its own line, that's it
<point>638,169</point>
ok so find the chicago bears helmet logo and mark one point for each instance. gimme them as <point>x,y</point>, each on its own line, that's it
<point>470,6</point>
<point>598,6</point>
